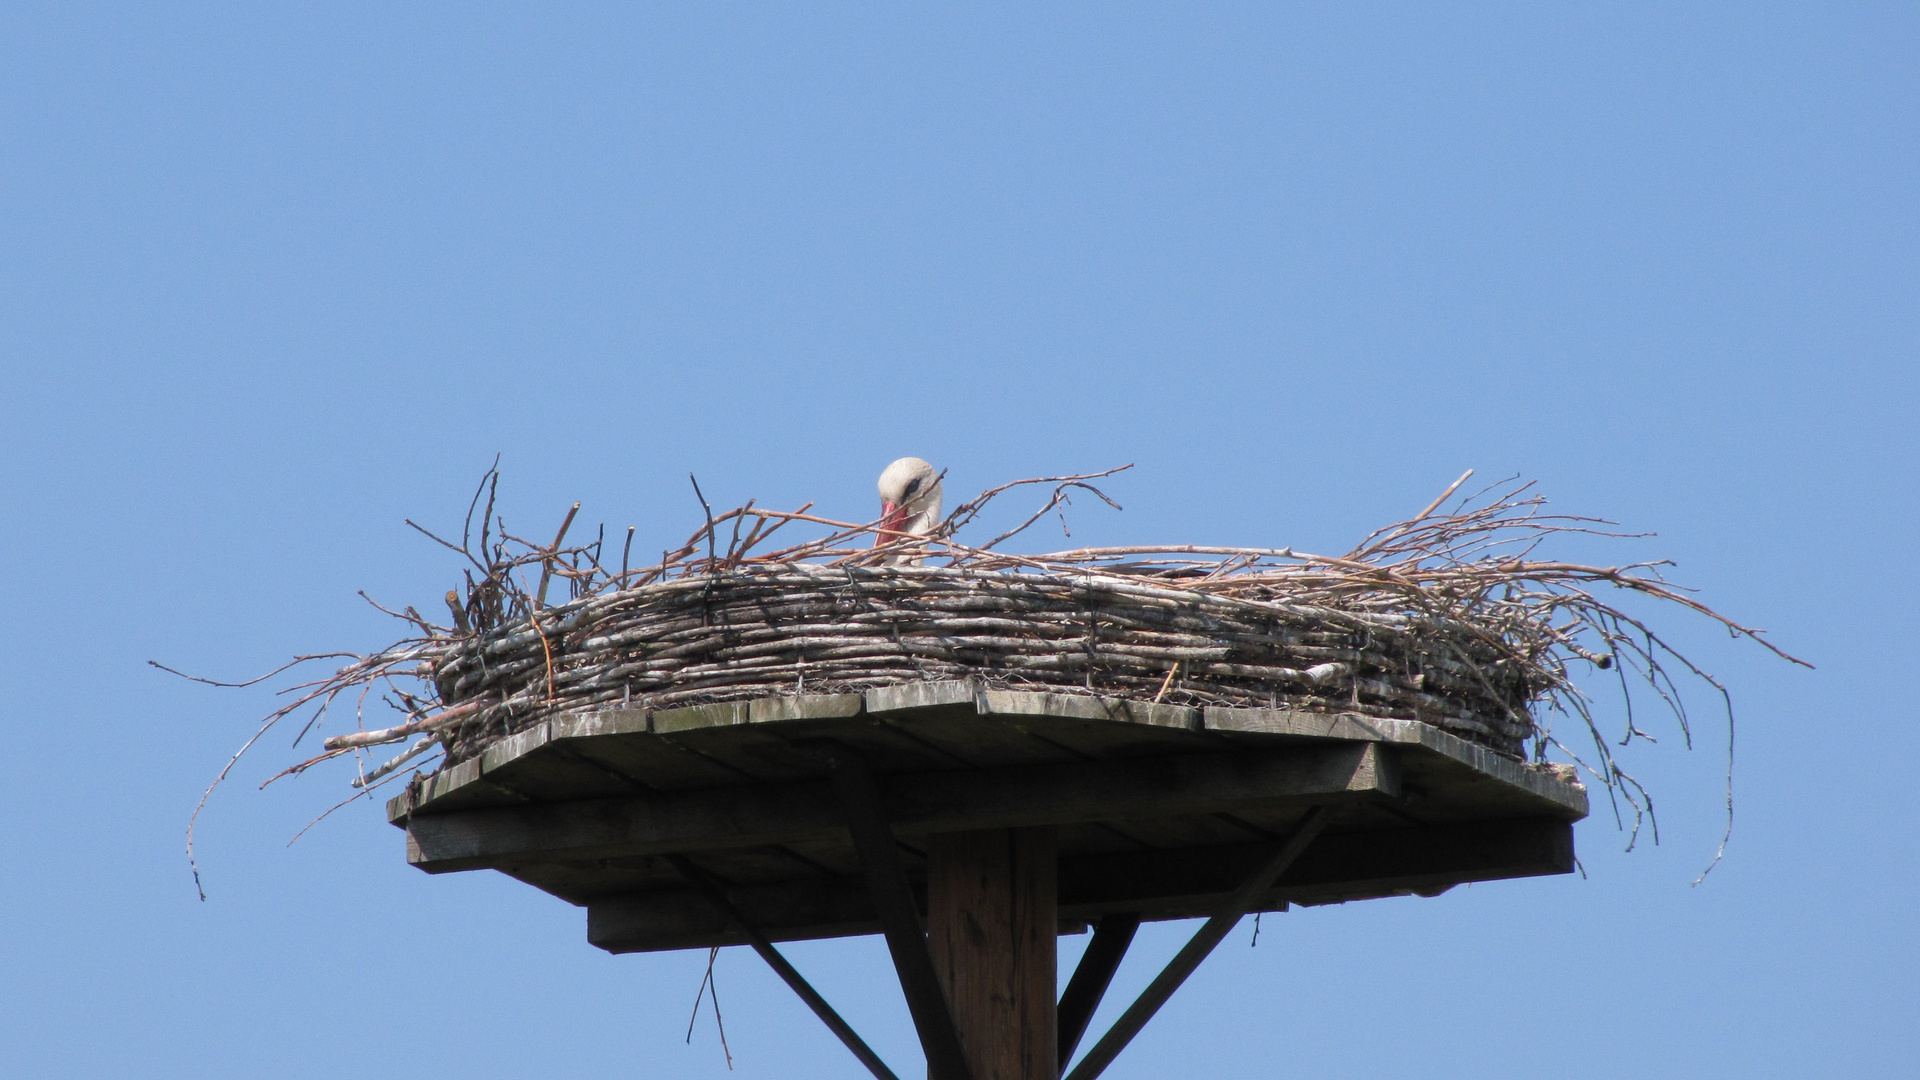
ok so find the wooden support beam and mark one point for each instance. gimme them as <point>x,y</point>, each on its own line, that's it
<point>913,804</point>
<point>991,924</point>
<point>899,916</point>
<point>1091,977</point>
<point>788,974</point>
<point>1197,949</point>
<point>1158,884</point>
<point>1427,860</point>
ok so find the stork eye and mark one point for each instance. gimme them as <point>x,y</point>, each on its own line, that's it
<point>913,485</point>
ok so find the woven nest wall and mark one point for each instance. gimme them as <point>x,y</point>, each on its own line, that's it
<point>805,628</point>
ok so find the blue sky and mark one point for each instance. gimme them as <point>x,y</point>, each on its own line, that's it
<point>277,278</point>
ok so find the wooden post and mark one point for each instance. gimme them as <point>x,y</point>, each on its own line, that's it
<point>992,921</point>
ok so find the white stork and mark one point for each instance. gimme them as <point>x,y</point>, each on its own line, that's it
<point>909,502</point>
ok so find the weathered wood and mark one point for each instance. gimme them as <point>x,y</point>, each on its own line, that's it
<point>1100,727</point>
<point>1119,779</point>
<point>893,902</point>
<point>1091,977</point>
<point>832,815</point>
<point>1485,765</point>
<point>1412,860</point>
<point>622,740</point>
<point>532,764</point>
<point>1339,867</point>
<point>458,788</point>
<point>930,726</point>
<point>979,742</point>
<point>1232,910</point>
<point>991,924</point>
<point>678,918</point>
<point>805,707</point>
<point>1089,707</point>
<point>726,733</point>
<point>914,696</point>
<point>913,803</point>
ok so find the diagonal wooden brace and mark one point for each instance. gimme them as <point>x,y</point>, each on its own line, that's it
<point>1194,951</point>
<point>899,914</point>
<point>711,890</point>
<point>1090,979</point>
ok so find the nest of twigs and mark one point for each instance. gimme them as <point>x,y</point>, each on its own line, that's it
<point>754,630</point>
<point>1448,618</point>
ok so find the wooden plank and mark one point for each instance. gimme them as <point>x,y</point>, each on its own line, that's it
<point>756,865</point>
<point>762,755</point>
<point>683,919</point>
<point>1089,707</point>
<point>883,744</point>
<point>1092,837</point>
<point>1185,830</point>
<point>1165,884</point>
<point>914,804</point>
<point>980,741</point>
<point>805,707</point>
<point>582,883</point>
<point>834,855</point>
<point>463,787</point>
<point>929,726</point>
<point>534,765</point>
<point>1306,723</point>
<point>756,737</point>
<point>578,881</point>
<point>1101,727</point>
<point>915,696</point>
<point>1410,860</point>
<point>623,740</point>
<point>1541,783</point>
<point>1158,884</point>
<point>620,740</point>
<point>1265,823</point>
<point>615,741</point>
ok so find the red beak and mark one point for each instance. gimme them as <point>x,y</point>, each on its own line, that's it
<point>892,516</point>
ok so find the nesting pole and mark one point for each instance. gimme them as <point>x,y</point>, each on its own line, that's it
<point>992,917</point>
<point>969,826</point>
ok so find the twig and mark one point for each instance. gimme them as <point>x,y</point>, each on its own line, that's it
<point>708,988</point>
<point>459,612</point>
<point>546,572</point>
<point>411,727</point>
<point>1168,681</point>
<point>708,510</point>
<point>412,752</point>
<point>293,663</point>
<point>1444,496</point>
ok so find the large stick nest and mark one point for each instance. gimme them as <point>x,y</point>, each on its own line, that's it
<point>750,631</point>
<point>1448,618</point>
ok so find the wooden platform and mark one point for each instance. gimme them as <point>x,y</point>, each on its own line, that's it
<point>1162,811</point>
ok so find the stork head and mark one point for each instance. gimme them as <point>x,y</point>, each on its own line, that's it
<point>909,499</point>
